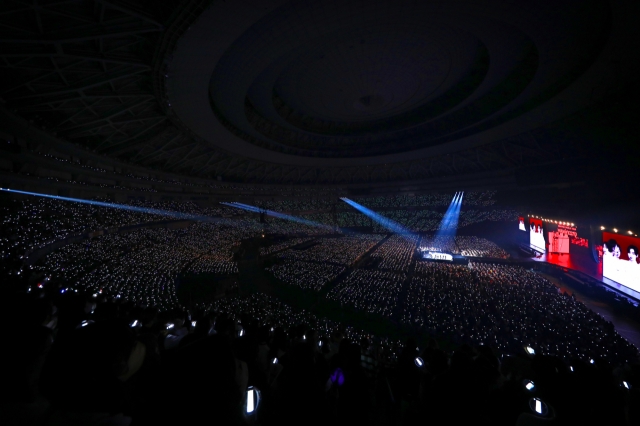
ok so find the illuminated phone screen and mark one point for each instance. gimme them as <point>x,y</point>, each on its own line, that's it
<point>250,401</point>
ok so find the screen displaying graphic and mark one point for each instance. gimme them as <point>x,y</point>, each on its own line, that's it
<point>558,242</point>
<point>560,236</point>
<point>536,234</point>
<point>620,259</point>
<point>521,224</point>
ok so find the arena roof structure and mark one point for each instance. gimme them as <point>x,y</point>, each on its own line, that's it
<point>338,92</point>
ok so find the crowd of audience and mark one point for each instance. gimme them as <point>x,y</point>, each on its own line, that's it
<point>142,266</point>
<point>341,250</point>
<point>101,337</point>
<point>115,173</point>
<point>85,360</point>
<point>475,198</point>
<point>211,264</point>
<point>88,360</point>
<point>33,223</point>
<point>371,291</point>
<point>312,268</point>
<point>352,219</point>
<point>396,253</point>
<point>479,247</point>
<point>508,307</point>
<point>282,245</point>
<point>442,243</point>
<point>306,275</point>
<point>90,183</point>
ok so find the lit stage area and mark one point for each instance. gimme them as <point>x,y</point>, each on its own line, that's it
<point>587,267</point>
<point>428,255</point>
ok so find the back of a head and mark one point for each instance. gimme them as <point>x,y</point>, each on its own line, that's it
<point>83,371</point>
<point>352,355</point>
<point>202,377</point>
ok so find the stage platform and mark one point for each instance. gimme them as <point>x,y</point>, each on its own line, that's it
<point>442,257</point>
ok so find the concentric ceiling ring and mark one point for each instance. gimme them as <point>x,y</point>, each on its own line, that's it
<point>386,80</point>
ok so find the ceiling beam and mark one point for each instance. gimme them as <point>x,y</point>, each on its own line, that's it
<point>80,35</point>
<point>158,151</point>
<point>113,113</point>
<point>80,96</point>
<point>122,9</point>
<point>75,55</point>
<point>87,83</point>
<point>130,143</point>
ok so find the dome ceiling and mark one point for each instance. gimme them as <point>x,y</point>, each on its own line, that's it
<point>300,91</point>
<point>354,79</point>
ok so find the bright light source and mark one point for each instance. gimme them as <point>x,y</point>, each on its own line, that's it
<point>538,406</point>
<point>133,323</point>
<point>530,350</point>
<point>419,362</point>
<point>602,228</point>
<point>630,233</point>
<point>250,406</point>
<point>275,361</point>
<point>615,230</point>
<point>170,326</point>
<point>626,385</point>
<point>528,384</point>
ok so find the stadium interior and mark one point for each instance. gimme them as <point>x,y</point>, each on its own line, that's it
<point>417,213</point>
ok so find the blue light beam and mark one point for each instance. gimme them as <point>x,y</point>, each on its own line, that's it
<point>449,223</point>
<point>278,215</point>
<point>168,213</point>
<point>385,222</point>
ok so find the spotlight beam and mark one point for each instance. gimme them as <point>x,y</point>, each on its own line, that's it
<point>168,213</point>
<point>450,216</point>
<point>449,223</point>
<point>278,215</point>
<point>385,222</point>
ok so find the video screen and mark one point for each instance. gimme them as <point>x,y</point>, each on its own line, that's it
<point>558,242</point>
<point>560,237</point>
<point>536,235</point>
<point>620,259</point>
<point>521,225</point>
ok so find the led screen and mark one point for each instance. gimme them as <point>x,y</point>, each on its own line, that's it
<point>620,259</point>
<point>521,225</point>
<point>559,237</point>
<point>558,242</point>
<point>536,234</point>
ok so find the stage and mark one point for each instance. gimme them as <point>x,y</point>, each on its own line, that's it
<point>442,257</point>
<point>587,266</point>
